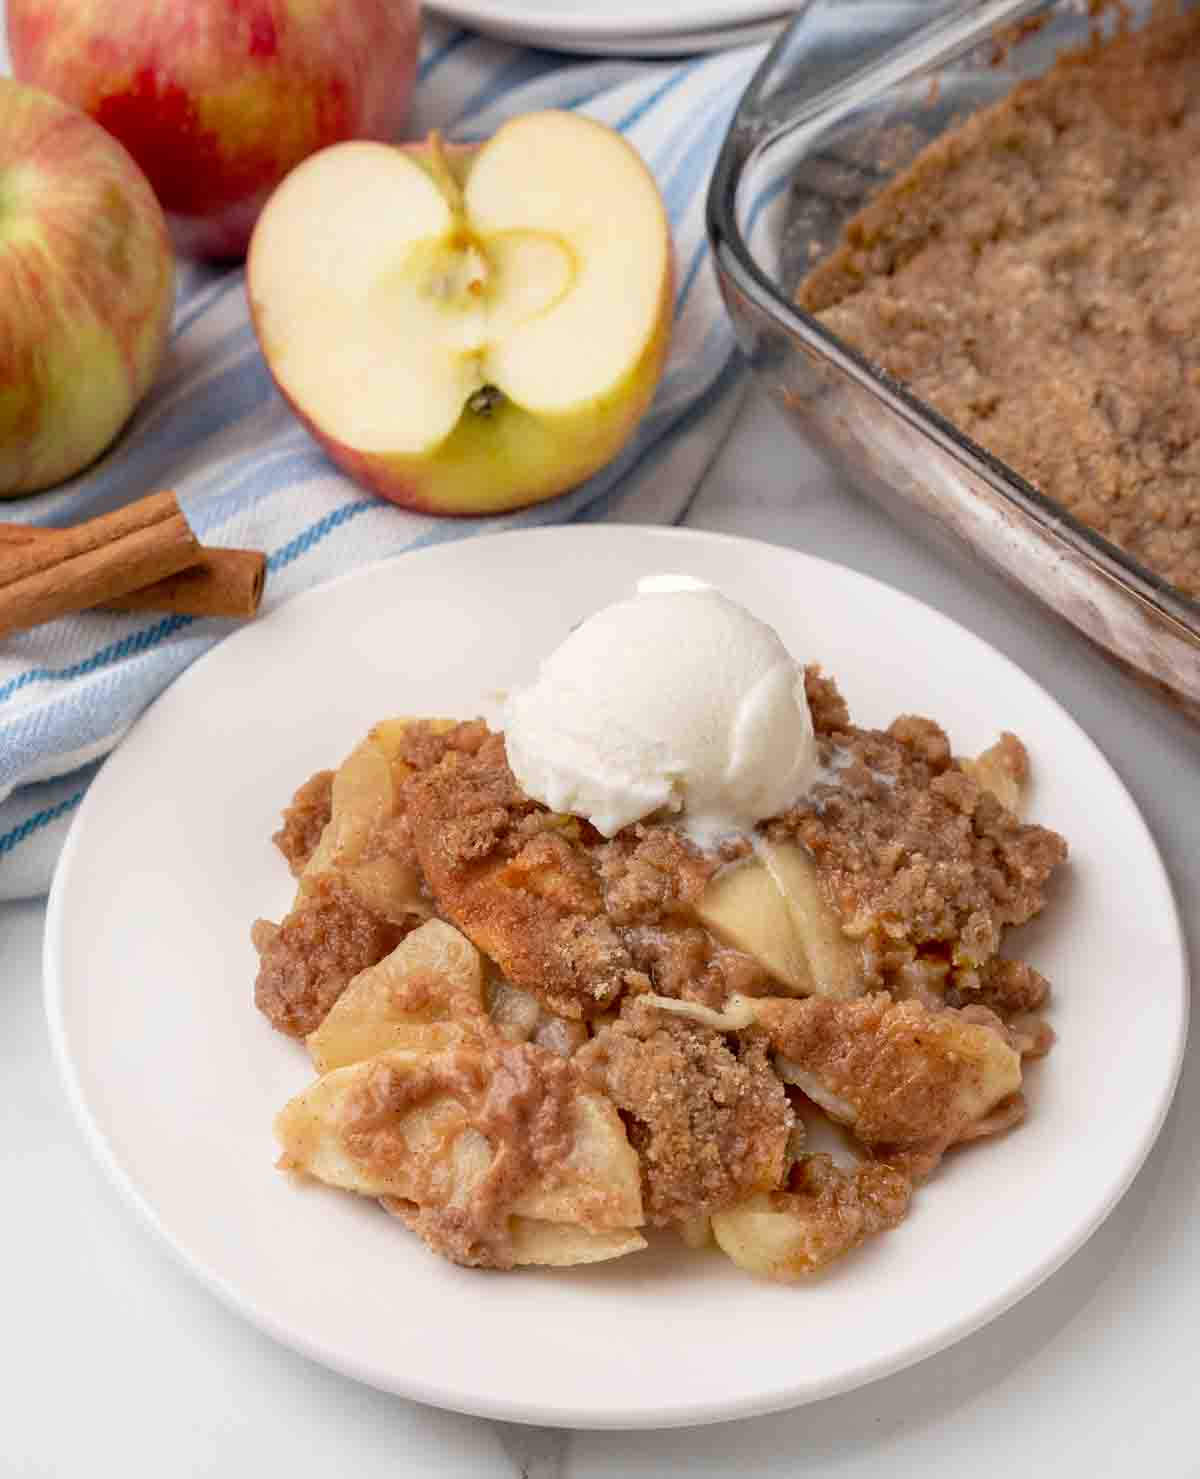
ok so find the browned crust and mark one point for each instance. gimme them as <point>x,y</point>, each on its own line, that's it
<point>1031,277</point>
<point>304,819</point>
<point>306,962</point>
<point>707,1115</point>
<point>897,1062</point>
<point>916,857</point>
<point>519,1097</point>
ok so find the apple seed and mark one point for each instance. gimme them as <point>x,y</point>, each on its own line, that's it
<point>485,401</point>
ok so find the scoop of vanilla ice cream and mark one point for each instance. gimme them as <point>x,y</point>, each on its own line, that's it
<point>677,698</point>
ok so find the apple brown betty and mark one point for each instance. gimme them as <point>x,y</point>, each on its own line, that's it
<point>1032,277</point>
<point>534,1043</point>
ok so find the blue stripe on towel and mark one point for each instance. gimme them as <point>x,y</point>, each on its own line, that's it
<point>30,825</point>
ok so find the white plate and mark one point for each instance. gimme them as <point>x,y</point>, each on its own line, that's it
<point>176,1078</point>
<point>674,44</point>
<point>633,25</point>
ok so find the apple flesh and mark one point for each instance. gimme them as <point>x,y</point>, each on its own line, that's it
<point>770,907</point>
<point>743,907</point>
<point>86,289</point>
<point>468,331</point>
<point>218,99</point>
<point>834,960</point>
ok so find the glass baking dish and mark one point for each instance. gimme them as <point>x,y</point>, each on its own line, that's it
<point>847,96</point>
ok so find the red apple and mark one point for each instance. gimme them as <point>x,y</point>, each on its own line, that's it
<point>218,99</point>
<point>86,289</point>
<point>468,331</point>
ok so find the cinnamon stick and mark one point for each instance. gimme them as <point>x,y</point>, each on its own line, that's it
<point>93,562</point>
<point>222,582</point>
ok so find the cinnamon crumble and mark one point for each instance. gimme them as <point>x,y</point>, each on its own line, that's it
<point>1031,276</point>
<point>534,1041</point>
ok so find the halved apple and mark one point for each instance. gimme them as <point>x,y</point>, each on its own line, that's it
<point>469,330</point>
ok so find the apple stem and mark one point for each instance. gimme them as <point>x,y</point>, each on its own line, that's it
<point>485,400</point>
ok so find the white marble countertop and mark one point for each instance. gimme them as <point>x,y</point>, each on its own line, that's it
<point>114,1356</point>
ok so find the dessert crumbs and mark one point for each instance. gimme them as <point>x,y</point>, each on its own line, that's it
<point>707,1115</point>
<point>308,960</point>
<point>304,820</point>
<point>520,1098</point>
<point>1031,276</point>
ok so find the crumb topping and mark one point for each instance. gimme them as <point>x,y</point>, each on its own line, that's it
<point>1031,276</point>
<point>840,1209</point>
<point>304,820</point>
<point>915,855</point>
<point>904,1076</point>
<point>517,1097</point>
<point>307,961</point>
<point>707,1116</point>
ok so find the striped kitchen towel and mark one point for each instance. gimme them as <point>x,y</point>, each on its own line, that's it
<point>214,429</point>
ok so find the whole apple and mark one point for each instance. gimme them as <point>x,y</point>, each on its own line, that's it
<point>218,99</point>
<point>86,289</point>
<point>468,330</point>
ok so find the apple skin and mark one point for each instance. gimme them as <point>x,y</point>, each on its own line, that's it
<point>218,99</point>
<point>86,289</point>
<point>510,459</point>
